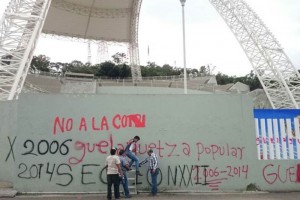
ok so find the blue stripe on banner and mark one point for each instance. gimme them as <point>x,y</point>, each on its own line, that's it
<point>276,114</point>
<point>260,139</point>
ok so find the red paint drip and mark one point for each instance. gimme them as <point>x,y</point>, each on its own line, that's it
<point>298,173</point>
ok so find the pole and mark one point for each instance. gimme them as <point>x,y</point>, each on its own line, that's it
<point>184,52</point>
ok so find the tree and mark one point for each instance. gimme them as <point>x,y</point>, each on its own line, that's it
<point>113,70</point>
<point>152,69</point>
<point>76,64</point>
<point>223,79</point>
<point>119,58</point>
<point>125,71</point>
<point>40,63</point>
<point>250,79</point>
<point>203,71</point>
<point>108,69</point>
<point>194,71</point>
<point>166,70</point>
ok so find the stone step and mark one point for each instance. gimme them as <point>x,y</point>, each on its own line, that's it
<point>7,193</point>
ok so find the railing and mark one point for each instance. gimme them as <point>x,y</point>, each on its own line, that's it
<point>88,76</point>
<point>35,88</point>
<point>51,74</point>
<point>175,81</point>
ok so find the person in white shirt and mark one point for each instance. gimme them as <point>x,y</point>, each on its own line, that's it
<point>114,173</point>
<point>129,153</point>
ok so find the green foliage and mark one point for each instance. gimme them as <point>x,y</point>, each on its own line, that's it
<point>125,71</point>
<point>250,79</point>
<point>40,63</point>
<point>223,79</point>
<point>108,69</point>
<point>120,69</point>
<point>154,70</point>
<point>119,58</point>
<point>204,70</point>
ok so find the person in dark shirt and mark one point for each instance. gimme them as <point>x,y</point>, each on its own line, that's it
<point>125,167</point>
<point>130,148</point>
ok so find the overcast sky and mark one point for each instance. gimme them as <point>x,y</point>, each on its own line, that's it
<point>209,40</point>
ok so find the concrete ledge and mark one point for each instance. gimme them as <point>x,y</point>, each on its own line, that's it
<point>175,192</point>
<point>7,193</point>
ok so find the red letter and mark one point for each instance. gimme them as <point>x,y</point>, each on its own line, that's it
<point>200,152</point>
<point>121,146</point>
<point>93,125</point>
<point>267,176</point>
<point>298,173</point>
<point>111,141</point>
<point>102,144</point>
<point>60,125</point>
<point>257,141</point>
<point>78,146</point>
<point>292,173</point>
<point>104,123</point>
<point>82,124</point>
<point>174,147</point>
<point>138,120</point>
<point>159,148</point>
<point>278,174</point>
<point>114,121</point>
<point>152,146</point>
<point>186,150</point>
<point>69,125</point>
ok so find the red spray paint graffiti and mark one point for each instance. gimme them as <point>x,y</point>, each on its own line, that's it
<point>94,124</point>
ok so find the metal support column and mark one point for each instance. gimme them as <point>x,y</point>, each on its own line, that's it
<point>279,78</point>
<point>133,46</point>
<point>20,28</point>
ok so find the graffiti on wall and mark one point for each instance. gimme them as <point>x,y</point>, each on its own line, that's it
<point>70,152</point>
<point>11,153</point>
<point>94,124</point>
<point>278,174</point>
<point>213,177</point>
<point>90,173</point>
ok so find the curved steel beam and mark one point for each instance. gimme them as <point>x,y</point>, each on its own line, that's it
<point>20,28</point>
<point>278,76</point>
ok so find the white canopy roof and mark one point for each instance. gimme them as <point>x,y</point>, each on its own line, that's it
<point>109,20</point>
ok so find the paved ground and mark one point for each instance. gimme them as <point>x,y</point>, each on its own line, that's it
<point>247,196</point>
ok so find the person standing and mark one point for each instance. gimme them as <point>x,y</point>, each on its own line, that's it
<point>153,169</point>
<point>113,174</point>
<point>130,147</point>
<point>125,167</point>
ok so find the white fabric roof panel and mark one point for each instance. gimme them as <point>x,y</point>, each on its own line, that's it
<point>106,4</point>
<point>108,20</point>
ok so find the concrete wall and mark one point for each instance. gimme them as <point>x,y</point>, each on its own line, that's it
<point>79,87</point>
<point>47,83</point>
<point>62,142</point>
<point>8,127</point>
<point>144,90</point>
